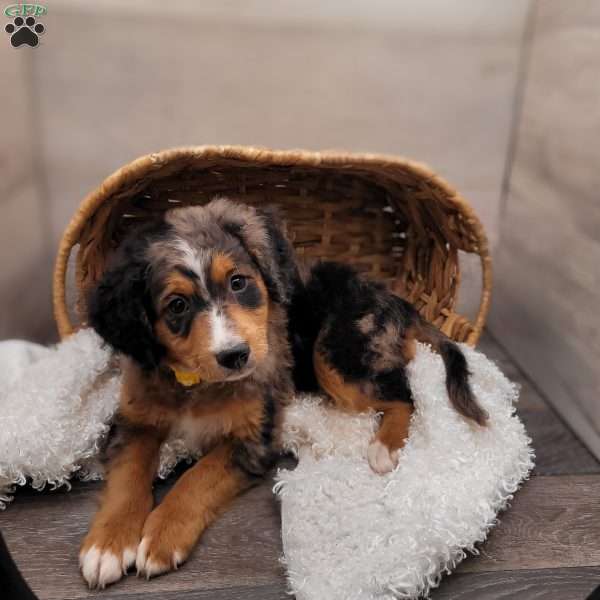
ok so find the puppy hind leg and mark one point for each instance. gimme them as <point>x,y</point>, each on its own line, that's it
<point>393,431</point>
<point>390,439</point>
<point>345,395</point>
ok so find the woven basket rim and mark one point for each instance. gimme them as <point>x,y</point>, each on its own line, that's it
<point>381,164</point>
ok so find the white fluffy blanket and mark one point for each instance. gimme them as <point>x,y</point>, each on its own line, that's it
<point>56,405</point>
<point>353,535</point>
<point>347,533</point>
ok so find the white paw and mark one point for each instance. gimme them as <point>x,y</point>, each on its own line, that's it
<point>101,568</point>
<point>152,567</point>
<point>380,458</point>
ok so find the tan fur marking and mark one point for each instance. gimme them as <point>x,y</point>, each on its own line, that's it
<point>386,345</point>
<point>191,353</point>
<point>233,409</point>
<point>366,324</point>
<point>347,396</point>
<point>409,343</point>
<point>238,415</point>
<point>252,325</point>
<point>247,416</point>
<point>393,429</point>
<point>409,347</point>
<point>176,283</point>
<point>146,402</point>
<point>221,267</point>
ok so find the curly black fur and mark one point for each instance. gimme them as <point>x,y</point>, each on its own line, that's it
<point>120,307</point>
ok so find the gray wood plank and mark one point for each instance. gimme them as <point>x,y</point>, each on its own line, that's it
<point>241,550</point>
<point>549,584</point>
<point>552,523</point>
<point>529,398</point>
<point>558,451</point>
<point>262,592</point>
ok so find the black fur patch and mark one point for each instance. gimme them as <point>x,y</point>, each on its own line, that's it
<point>393,385</point>
<point>182,324</point>
<point>361,329</point>
<point>257,457</point>
<point>276,264</point>
<point>250,297</point>
<point>285,260</point>
<point>303,329</point>
<point>457,383</point>
<point>120,307</point>
<point>334,301</point>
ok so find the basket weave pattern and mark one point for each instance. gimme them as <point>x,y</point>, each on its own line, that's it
<point>393,219</point>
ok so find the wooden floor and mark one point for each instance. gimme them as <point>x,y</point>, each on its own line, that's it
<point>546,546</point>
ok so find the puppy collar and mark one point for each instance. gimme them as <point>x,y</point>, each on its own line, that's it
<point>186,378</point>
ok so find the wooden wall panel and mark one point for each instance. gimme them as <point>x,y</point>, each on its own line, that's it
<point>25,248</point>
<point>547,276</point>
<point>418,78</point>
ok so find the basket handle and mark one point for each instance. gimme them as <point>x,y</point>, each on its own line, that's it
<point>59,280</point>
<point>486,296</point>
<point>66,328</point>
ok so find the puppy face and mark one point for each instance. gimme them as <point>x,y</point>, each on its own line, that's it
<point>212,311</point>
<point>192,292</point>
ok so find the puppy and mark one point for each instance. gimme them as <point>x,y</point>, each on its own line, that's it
<point>196,304</point>
<point>353,339</point>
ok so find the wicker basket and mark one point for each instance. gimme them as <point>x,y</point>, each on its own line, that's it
<point>391,218</point>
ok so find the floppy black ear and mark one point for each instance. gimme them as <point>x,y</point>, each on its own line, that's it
<point>120,310</point>
<point>263,237</point>
<point>281,269</point>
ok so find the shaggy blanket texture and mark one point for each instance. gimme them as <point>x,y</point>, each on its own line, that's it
<point>56,405</point>
<point>347,533</point>
<point>351,534</point>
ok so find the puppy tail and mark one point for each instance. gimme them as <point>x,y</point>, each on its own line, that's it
<point>457,383</point>
<point>457,374</point>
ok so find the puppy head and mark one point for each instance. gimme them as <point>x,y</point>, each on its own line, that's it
<point>193,292</point>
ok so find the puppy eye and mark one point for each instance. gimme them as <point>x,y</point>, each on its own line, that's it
<point>178,306</point>
<point>238,283</point>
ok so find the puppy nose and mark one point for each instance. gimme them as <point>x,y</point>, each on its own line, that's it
<point>235,357</point>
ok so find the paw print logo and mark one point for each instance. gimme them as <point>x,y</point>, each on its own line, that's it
<point>24,31</point>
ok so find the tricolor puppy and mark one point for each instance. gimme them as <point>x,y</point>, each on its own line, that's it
<point>197,306</point>
<point>361,337</point>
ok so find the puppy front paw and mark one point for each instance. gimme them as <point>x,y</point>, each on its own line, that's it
<point>382,459</point>
<point>167,540</point>
<point>155,557</point>
<point>105,557</point>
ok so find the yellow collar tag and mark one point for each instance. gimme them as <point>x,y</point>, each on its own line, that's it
<point>186,378</point>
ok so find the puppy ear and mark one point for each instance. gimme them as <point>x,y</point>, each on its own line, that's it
<point>120,310</point>
<point>265,241</point>
<point>284,275</point>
